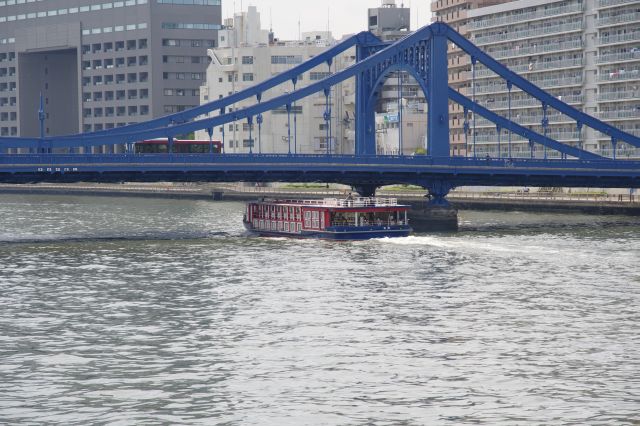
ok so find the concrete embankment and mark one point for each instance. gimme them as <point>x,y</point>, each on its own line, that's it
<point>591,204</point>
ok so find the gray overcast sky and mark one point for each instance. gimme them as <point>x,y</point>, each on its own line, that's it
<point>346,16</point>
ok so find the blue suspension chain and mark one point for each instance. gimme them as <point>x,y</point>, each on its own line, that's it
<point>509,87</point>
<point>259,121</point>
<point>289,127</point>
<point>295,120</point>
<point>466,132</point>
<point>579,127</point>
<point>473,89</point>
<point>250,123</point>
<point>223,147</point>
<point>327,119</point>
<point>210,133</point>
<point>545,126</point>
<point>499,130</point>
<point>327,112</point>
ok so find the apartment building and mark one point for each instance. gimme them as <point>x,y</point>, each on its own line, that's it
<point>456,14</point>
<point>618,70</point>
<point>99,65</point>
<point>584,52</point>
<point>248,55</point>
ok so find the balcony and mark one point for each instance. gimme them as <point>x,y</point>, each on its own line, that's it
<point>541,31</point>
<point>528,103</point>
<point>527,120</point>
<point>619,57</point>
<point>443,5</point>
<point>621,38</point>
<point>523,17</point>
<point>622,18</point>
<point>614,96</point>
<point>542,83</point>
<point>534,67</point>
<point>623,114</point>
<point>610,3</point>
<point>493,137</point>
<point>536,50</point>
<point>619,75</point>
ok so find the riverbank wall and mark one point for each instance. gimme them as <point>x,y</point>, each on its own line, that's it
<point>600,204</point>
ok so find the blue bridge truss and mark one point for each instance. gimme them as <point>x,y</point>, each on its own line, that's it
<point>422,54</point>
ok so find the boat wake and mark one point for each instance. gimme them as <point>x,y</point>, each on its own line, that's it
<point>49,239</point>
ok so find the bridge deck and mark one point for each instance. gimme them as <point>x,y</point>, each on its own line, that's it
<point>349,169</point>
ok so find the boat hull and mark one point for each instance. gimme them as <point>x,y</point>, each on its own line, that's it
<point>339,233</point>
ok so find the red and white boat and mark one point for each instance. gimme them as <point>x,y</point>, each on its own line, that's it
<point>329,218</point>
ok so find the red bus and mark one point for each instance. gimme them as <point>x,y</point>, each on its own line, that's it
<point>180,146</point>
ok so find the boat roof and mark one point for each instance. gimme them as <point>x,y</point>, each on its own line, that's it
<point>349,202</point>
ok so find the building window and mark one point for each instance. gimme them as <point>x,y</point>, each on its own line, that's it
<point>297,109</point>
<point>319,75</point>
<point>247,60</point>
<point>247,77</point>
<point>189,26</point>
<point>191,2</point>
<point>286,59</point>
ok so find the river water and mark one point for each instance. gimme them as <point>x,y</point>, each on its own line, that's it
<point>140,311</point>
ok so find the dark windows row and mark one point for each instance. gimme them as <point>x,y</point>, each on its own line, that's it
<point>176,59</point>
<point>129,61</point>
<point>7,101</point>
<point>115,95</point>
<point>190,26</point>
<point>99,126</point>
<point>131,77</point>
<point>116,46</point>
<point>9,131</point>
<point>191,2</point>
<point>7,56</point>
<point>8,116</point>
<point>118,111</point>
<point>177,108</point>
<point>183,42</point>
<point>182,75</point>
<point>182,92</point>
<point>286,59</point>
<point>8,87</point>
<point>7,72</point>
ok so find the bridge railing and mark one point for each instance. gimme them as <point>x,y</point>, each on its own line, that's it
<point>52,161</point>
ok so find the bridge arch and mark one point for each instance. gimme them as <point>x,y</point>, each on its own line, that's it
<point>378,83</point>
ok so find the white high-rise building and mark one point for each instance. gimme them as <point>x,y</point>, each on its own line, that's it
<point>248,55</point>
<point>585,52</point>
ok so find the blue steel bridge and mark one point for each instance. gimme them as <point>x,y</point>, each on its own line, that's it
<point>423,55</point>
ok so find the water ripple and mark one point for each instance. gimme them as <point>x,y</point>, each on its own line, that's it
<point>128,322</point>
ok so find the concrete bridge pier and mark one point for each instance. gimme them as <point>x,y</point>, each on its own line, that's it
<point>366,190</point>
<point>435,213</point>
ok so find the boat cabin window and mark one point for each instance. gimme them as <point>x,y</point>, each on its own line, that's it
<point>367,219</point>
<point>307,219</point>
<point>343,218</point>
